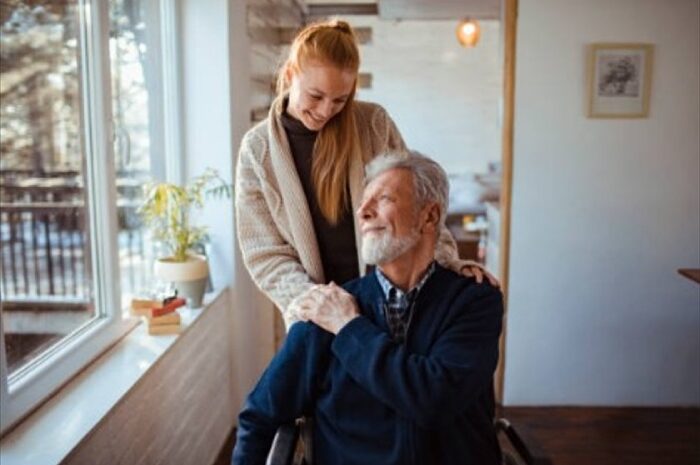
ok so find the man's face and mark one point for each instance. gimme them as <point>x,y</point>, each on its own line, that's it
<point>388,217</point>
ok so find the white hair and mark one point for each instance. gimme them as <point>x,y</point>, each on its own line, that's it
<point>429,179</point>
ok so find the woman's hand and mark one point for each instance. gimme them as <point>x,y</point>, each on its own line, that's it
<point>478,272</point>
<point>329,306</point>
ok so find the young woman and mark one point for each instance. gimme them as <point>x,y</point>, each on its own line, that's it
<point>300,172</point>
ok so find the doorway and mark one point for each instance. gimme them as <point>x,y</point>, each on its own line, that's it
<point>452,103</point>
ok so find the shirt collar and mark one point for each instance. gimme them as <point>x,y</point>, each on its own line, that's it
<point>387,285</point>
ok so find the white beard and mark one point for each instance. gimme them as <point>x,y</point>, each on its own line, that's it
<point>379,248</point>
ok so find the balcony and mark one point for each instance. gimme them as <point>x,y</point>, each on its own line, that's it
<point>45,263</point>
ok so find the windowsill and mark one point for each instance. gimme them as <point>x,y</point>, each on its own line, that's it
<point>49,434</point>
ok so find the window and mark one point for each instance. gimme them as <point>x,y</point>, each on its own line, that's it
<point>82,128</point>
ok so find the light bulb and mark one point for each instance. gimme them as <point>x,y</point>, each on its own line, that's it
<point>468,32</point>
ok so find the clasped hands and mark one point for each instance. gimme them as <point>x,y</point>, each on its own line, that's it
<point>327,305</point>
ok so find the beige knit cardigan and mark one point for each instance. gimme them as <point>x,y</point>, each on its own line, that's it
<point>274,226</point>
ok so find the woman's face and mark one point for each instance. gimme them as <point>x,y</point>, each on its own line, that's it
<point>318,92</point>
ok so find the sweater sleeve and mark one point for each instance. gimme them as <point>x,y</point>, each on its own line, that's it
<point>430,388</point>
<point>272,261</point>
<point>384,133</point>
<point>446,253</point>
<point>283,394</point>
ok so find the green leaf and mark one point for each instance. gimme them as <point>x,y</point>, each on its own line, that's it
<point>167,209</point>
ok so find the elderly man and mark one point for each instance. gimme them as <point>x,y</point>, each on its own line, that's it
<point>395,367</point>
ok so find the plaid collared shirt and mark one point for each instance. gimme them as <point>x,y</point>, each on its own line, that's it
<point>398,305</point>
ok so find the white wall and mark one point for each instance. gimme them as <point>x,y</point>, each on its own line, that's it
<point>216,107</point>
<point>444,98</point>
<point>604,212</point>
<point>207,117</point>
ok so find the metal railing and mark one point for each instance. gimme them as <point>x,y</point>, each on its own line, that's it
<point>45,249</point>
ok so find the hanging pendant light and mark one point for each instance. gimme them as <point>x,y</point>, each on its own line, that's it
<point>468,32</point>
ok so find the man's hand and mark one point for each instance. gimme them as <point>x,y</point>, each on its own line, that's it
<point>329,306</point>
<point>478,273</point>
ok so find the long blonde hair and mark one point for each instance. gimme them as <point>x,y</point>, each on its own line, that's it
<point>337,143</point>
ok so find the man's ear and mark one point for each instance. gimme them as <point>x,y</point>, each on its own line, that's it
<point>430,217</point>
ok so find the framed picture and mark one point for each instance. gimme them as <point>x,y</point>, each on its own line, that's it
<point>619,78</point>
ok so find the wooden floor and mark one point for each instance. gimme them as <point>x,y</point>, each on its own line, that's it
<point>602,436</point>
<point>615,436</point>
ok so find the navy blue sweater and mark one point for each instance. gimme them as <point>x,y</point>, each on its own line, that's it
<point>426,401</point>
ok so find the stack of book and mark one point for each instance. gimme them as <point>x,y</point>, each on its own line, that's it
<point>162,316</point>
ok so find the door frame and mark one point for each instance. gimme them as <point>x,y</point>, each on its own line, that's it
<point>509,18</point>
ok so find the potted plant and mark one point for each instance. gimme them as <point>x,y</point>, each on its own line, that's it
<point>167,210</point>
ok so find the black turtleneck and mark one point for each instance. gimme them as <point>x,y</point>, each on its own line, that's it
<point>336,243</point>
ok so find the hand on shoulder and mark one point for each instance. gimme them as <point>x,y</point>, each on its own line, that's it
<point>478,272</point>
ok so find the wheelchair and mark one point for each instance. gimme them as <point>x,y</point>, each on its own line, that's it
<point>287,450</point>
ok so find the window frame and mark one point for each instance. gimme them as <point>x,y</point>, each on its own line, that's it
<point>24,391</point>
<point>173,141</point>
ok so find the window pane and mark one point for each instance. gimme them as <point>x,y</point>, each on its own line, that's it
<point>46,283</point>
<point>135,68</point>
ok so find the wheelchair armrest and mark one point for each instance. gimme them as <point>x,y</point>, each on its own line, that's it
<point>284,445</point>
<point>528,449</point>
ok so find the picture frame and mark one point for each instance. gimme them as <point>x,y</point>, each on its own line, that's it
<point>619,80</point>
